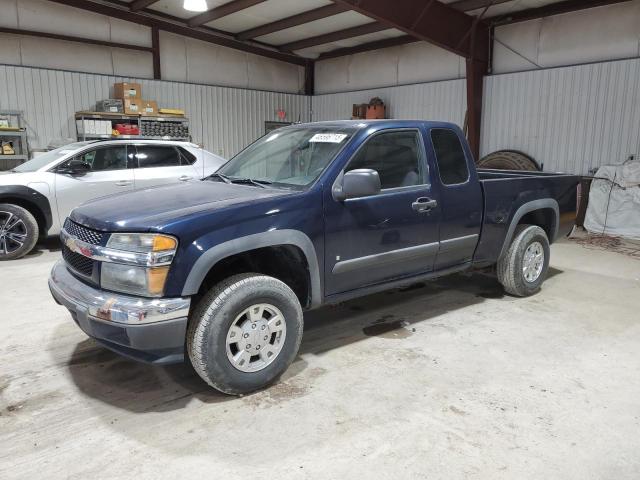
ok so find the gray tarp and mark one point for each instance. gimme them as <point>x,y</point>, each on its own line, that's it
<point>614,206</point>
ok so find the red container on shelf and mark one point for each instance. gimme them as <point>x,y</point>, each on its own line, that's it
<point>127,129</point>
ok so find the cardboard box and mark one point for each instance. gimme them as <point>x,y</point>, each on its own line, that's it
<point>110,105</point>
<point>126,90</point>
<point>149,108</point>
<point>132,106</point>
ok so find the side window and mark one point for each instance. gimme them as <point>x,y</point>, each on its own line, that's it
<point>396,156</point>
<point>450,156</point>
<point>186,157</point>
<point>104,159</point>
<point>150,156</point>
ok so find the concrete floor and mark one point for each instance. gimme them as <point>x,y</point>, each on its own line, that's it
<point>448,380</point>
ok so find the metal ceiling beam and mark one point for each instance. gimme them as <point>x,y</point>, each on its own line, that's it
<point>366,47</point>
<point>335,9</point>
<point>550,9</point>
<point>179,28</point>
<point>70,38</point>
<point>334,36</point>
<point>462,5</point>
<point>292,21</point>
<point>140,4</point>
<point>431,21</point>
<point>468,5</point>
<point>222,11</point>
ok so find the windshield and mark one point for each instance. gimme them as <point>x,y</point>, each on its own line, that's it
<point>48,157</point>
<point>292,157</point>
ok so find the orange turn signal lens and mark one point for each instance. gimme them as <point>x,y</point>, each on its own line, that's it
<point>156,278</point>
<point>162,242</point>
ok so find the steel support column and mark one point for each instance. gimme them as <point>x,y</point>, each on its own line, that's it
<point>155,45</point>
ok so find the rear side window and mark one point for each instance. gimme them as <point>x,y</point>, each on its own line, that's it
<point>186,157</point>
<point>150,156</point>
<point>450,156</point>
<point>395,156</point>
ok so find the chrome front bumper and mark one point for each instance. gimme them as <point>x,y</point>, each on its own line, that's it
<point>147,329</point>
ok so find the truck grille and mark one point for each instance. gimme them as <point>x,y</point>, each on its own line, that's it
<point>77,262</point>
<point>83,233</point>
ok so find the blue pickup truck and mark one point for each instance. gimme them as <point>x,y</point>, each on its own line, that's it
<point>219,271</point>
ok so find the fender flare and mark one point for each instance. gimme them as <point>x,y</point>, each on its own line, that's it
<point>29,195</point>
<point>250,242</point>
<point>543,203</point>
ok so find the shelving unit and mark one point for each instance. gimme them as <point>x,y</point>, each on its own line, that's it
<point>142,122</point>
<point>18,139</point>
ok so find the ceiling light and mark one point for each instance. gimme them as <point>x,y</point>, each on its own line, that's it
<point>195,5</point>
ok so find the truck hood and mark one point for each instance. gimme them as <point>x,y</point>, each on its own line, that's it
<point>152,209</point>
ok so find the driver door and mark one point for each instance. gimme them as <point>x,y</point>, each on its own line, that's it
<point>110,173</point>
<point>383,237</point>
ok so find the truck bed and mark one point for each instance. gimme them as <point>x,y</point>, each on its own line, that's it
<point>506,191</point>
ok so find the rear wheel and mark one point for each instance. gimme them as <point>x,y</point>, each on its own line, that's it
<point>18,231</point>
<point>244,333</point>
<point>523,267</point>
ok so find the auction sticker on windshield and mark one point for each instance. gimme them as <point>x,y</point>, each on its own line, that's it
<point>328,137</point>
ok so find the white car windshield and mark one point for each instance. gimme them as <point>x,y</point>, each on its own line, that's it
<point>290,157</point>
<point>49,157</point>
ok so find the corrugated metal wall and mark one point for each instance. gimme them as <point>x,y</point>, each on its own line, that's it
<point>572,119</point>
<point>224,120</point>
<point>445,101</point>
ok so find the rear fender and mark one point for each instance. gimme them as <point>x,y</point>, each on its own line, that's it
<point>544,203</point>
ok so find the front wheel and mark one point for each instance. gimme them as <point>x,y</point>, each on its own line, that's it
<point>244,333</point>
<point>18,231</point>
<point>523,267</point>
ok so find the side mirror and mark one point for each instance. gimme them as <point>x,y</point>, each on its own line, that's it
<point>76,168</point>
<point>361,182</point>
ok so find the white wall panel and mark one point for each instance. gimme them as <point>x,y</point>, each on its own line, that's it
<point>223,119</point>
<point>187,60</point>
<point>444,101</point>
<point>182,59</point>
<point>411,63</point>
<point>570,119</point>
<point>592,35</point>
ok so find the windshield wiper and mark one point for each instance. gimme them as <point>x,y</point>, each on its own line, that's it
<point>257,183</point>
<point>222,177</point>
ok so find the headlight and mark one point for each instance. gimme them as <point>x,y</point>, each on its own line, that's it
<point>144,281</point>
<point>138,263</point>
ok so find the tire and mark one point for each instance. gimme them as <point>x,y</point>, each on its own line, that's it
<point>220,309</point>
<point>22,233</point>
<point>508,160</point>
<point>511,274</point>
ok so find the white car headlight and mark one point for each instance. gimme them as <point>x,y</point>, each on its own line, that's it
<point>145,271</point>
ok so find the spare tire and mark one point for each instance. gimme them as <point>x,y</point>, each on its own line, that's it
<point>508,160</point>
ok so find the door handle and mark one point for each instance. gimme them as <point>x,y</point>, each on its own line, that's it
<point>424,204</point>
<point>123,183</point>
<point>184,178</point>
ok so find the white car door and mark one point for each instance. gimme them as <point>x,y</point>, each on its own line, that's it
<point>109,173</point>
<point>161,164</point>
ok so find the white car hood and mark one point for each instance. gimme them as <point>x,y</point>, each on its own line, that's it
<point>21,178</point>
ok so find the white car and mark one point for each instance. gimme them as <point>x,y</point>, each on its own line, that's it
<point>37,196</point>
